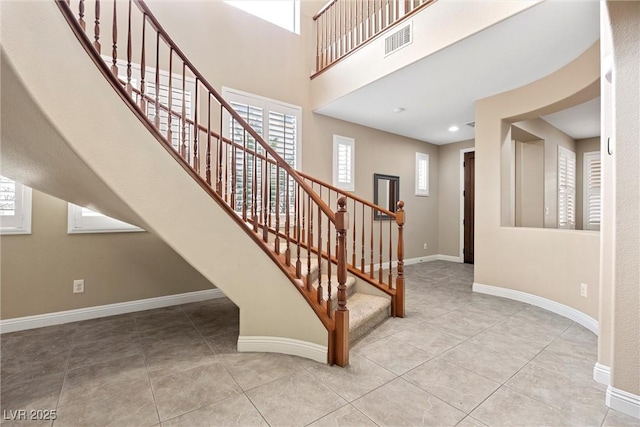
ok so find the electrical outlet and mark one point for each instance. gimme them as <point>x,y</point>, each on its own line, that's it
<point>583,289</point>
<point>425,246</point>
<point>78,286</point>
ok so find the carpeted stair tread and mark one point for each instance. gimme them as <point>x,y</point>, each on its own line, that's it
<point>351,281</point>
<point>365,313</point>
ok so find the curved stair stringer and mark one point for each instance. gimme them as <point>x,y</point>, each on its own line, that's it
<point>104,134</point>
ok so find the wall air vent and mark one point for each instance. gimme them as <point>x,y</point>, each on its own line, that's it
<point>472,124</point>
<point>398,39</point>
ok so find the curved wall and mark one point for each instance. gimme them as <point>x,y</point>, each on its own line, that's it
<point>546,263</point>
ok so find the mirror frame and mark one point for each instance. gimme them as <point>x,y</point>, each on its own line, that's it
<point>394,206</point>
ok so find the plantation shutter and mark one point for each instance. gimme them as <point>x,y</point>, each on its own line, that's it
<point>7,198</point>
<point>278,124</point>
<point>592,184</point>
<point>244,167</point>
<point>566,189</point>
<point>422,174</point>
<point>343,162</point>
<point>15,207</point>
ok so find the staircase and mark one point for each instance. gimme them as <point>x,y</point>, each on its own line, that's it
<point>311,279</point>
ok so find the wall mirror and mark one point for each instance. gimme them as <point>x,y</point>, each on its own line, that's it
<point>386,193</point>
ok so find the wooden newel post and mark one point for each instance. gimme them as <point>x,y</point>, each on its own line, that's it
<point>342,313</point>
<point>399,303</point>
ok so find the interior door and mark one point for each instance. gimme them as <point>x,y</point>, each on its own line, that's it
<point>469,204</point>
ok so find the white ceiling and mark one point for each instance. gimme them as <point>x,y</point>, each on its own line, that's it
<point>508,55</point>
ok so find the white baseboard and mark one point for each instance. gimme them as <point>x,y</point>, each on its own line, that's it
<point>59,317</point>
<point>602,374</point>
<point>449,258</point>
<point>283,345</point>
<point>623,401</point>
<point>555,307</point>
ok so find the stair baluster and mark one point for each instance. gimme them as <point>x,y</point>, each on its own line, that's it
<point>143,68</point>
<point>129,87</point>
<point>276,241</point>
<point>319,246</point>
<point>156,120</point>
<point>96,28</point>
<point>81,15</point>
<point>208,162</point>
<point>114,34</point>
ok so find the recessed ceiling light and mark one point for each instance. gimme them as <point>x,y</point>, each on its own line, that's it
<point>398,110</point>
<point>454,128</point>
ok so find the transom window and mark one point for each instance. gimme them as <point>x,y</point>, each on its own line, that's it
<point>283,13</point>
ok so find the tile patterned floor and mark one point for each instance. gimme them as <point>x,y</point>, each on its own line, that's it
<point>458,358</point>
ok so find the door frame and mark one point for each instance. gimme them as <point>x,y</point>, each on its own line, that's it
<point>462,152</point>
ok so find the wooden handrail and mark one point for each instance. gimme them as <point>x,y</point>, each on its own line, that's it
<point>348,195</point>
<point>281,162</point>
<point>323,9</point>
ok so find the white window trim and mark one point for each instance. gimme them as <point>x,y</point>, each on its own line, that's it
<point>422,190</point>
<point>21,222</point>
<point>267,104</point>
<point>587,157</point>
<point>339,140</point>
<point>79,223</point>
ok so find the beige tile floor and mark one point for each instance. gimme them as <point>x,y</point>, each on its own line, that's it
<point>458,358</point>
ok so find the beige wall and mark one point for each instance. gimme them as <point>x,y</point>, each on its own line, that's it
<point>38,269</point>
<point>543,262</point>
<point>449,215</point>
<point>607,223</point>
<point>625,363</point>
<point>385,153</point>
<point>553,138</point>
<point>529,184</point>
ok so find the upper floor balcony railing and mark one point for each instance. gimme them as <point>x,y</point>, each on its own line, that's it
<point>342,26</point>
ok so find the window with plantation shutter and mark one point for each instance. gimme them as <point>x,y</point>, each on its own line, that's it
<point>15,207</point>
<point>422,174</point>
<point>344,162</point>
<point>566,188</point>
<point>592,178</point>
<point>279,125</point>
